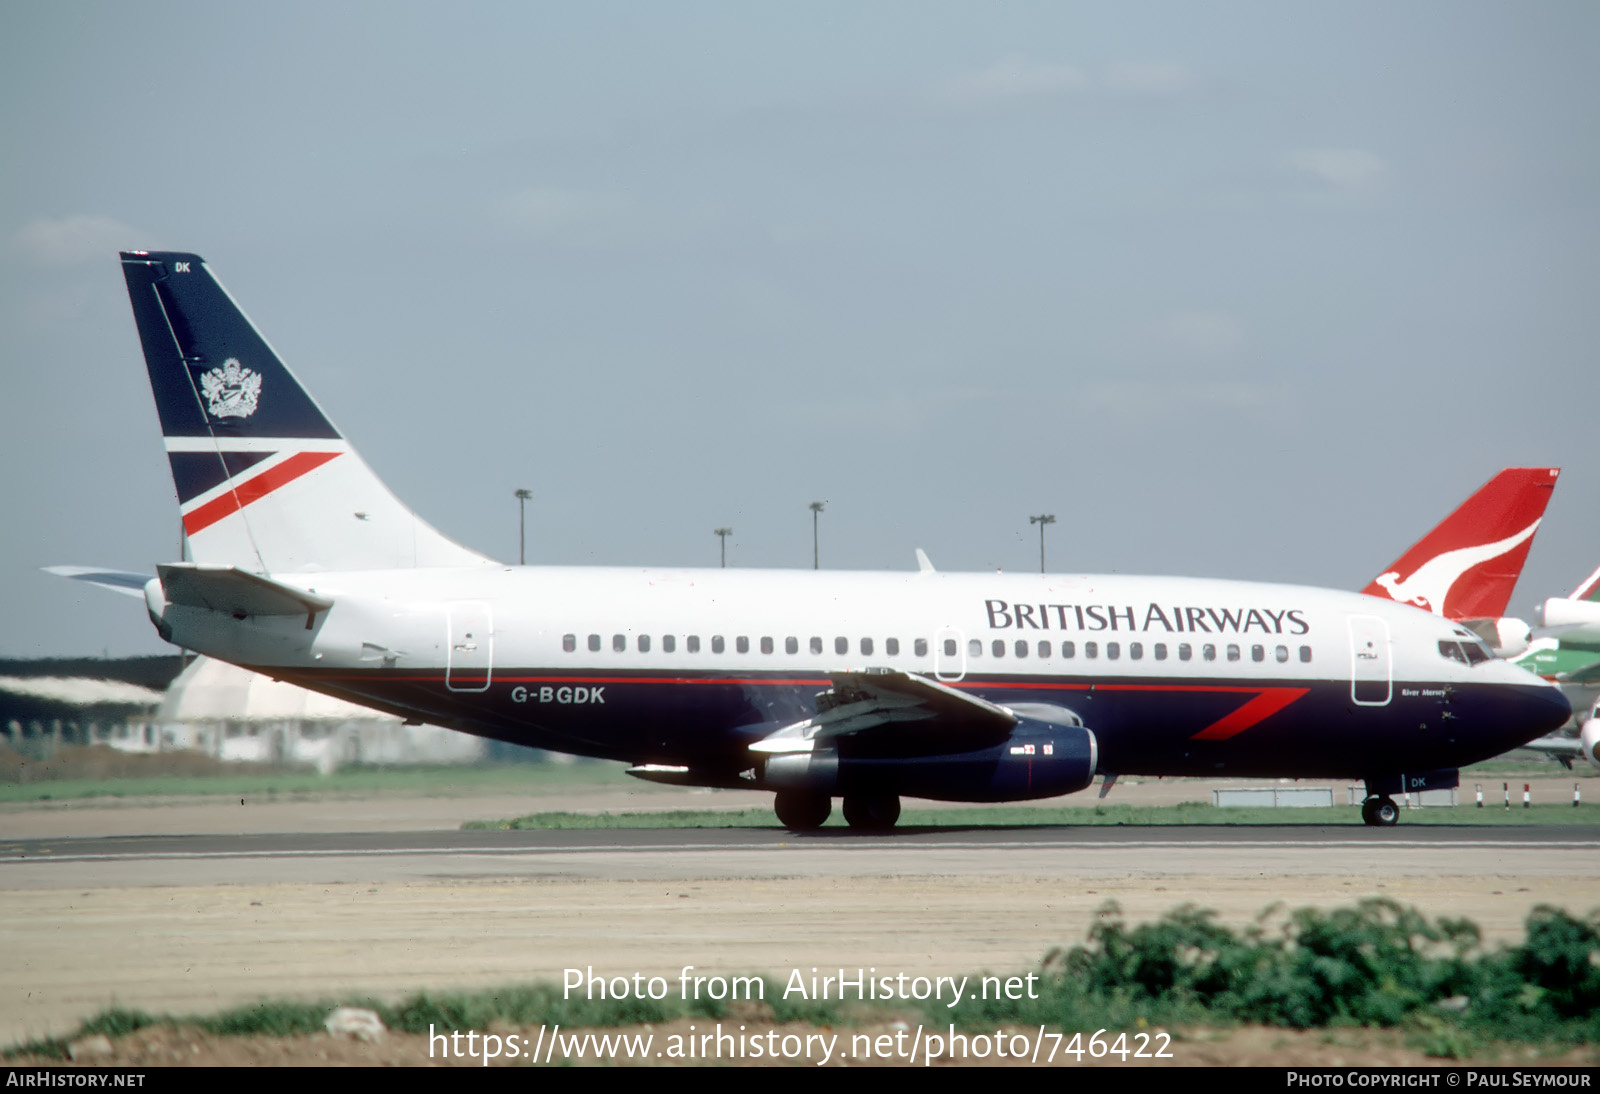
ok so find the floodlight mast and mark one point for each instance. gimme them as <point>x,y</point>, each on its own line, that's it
<point>522,497</point>
<point>816,507</point>
<point>1041,520</point>
<point>724,533</point>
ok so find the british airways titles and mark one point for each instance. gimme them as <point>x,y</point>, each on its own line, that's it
<point>1169,619</point>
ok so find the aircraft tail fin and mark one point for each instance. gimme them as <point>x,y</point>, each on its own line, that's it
<point>1467,567</point>
<point>264,480</point>
<point>1589,589</point>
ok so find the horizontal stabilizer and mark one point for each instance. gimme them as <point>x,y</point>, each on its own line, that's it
<point>231,590</point>
<point>118,581</point>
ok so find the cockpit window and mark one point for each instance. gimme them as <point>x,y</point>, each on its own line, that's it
<point>1468,653</point>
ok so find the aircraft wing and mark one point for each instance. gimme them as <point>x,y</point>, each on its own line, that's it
<point>1585,674</point>
<point>118,581</point>
<point>891,705</point>
<point>1561,749</point>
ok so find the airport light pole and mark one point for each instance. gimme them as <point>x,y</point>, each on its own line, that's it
<point>1041,520</point>
<point>522,497</point>
<point>816,507</point>
<point>724,533</point>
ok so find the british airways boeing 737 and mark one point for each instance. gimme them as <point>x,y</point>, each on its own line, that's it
<point>815,685</point>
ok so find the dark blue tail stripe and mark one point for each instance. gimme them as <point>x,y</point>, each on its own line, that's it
<point>193,473</point>
<point>191,332</point>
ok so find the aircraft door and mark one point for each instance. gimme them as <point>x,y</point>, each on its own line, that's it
<point>1371,667</point>
<point>471,654</point>
<point>949,666</point>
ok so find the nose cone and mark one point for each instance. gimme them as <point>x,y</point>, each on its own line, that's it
<point>1548,708</point>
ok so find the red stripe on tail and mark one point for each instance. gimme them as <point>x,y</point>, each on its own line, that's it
<point>253,489</point>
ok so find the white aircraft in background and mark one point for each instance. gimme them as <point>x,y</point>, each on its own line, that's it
<point>812,684</point>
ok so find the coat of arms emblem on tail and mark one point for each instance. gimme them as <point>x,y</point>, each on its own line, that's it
<point>232,390</point>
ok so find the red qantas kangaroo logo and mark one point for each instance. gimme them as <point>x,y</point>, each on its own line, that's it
<point>1429,587</point>
<point>1467,567</point>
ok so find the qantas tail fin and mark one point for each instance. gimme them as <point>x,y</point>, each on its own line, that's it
<point>1467,566</point>
<point>264,480</point>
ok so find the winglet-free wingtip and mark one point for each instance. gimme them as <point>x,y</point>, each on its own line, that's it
<point>118,581</point>
<point>923,565</point>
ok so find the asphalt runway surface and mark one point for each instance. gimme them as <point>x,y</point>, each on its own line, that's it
<point>678,853</point>
<point>202,919</point>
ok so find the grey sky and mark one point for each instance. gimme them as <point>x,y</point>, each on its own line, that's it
<point>1250,290</point>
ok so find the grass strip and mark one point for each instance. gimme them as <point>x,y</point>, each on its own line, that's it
<point>434,781</point>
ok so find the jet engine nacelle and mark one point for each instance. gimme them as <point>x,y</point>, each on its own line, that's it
<point>1589,742</point>
<point>1577,619</point>
<point>1038,760</point>
<point>1506,637</point>
<point>1511,637</point>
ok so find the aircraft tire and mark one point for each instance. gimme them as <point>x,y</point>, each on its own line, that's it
<point>801,811</point>
<point>872,812</point>
<point>1380,812</point>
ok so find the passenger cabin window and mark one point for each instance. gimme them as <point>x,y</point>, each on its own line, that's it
<point>791,645</point>
<point>1160,651</point>
<point>717,644</point>
<point>1113,650</point>
<point>974,648</point>
<point>1305,655</point>
<point>1091,649</point>
<point>766,644</point>
<point>1233,652</point>
<point>594,643</point>
<point>693,643</point>
<point>866,647</point>
<point>1208,652</point>
<point>1045,648</point>
<point>920,647</point>
<point>999,647</point>
<point>619,643</point>
<point>1135,650</point>
<point>1258,653</point>
<point>949,647</point>
<point>668,643</point>
<point>1069,650</point>
<point>816,644</point>
<point>891,646</point>
<point>1185,651</point>
<point>569,642</point>
<point>841,646</point>
<point>1022,647</point>
<point>644,643</point>
<point>1281,654</point>
<point>742,644</point>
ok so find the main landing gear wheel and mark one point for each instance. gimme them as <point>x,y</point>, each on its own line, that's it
<point>1380,812</point>
<point>801,811</point>
<point>871,812</point>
